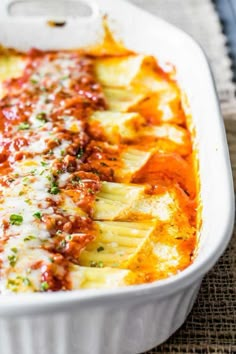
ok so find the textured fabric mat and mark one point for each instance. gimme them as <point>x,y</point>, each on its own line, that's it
<point>211,326</point>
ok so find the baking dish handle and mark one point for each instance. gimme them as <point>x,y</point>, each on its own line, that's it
<point>55,11</point>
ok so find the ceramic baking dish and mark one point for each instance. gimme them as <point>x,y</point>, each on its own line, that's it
<point>133,319</point>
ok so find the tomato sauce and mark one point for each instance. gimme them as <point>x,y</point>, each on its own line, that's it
<point>52,99</point>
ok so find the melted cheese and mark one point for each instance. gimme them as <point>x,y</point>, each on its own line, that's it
<point>84,204</point>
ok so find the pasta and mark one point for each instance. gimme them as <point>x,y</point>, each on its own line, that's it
<point>98,181</point>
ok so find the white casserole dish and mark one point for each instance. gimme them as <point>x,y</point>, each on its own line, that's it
<point>133,319</point>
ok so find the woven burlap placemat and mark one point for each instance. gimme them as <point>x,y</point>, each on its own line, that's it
<point>211,326</point>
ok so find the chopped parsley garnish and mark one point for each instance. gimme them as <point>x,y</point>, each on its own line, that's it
<point>23,126</point>
<point>62,244</point>
<point>25,181</point>
<point>33,81</point>
<point>13,284</point>
<point>14,249</point>
<point>80,153</point>
<point>29,238</point>
<point>42,116</point>
<point>100,249</point>
<point>38,215</point>
<point>16,219</point>
<point>96,264</point>
<point>58,141</point>
<point>44,164</point>
<point>76,180</point>
<point>91,191</point>
<point>54,190</point>
<point>32,172</point>
<point>44,286</point>
<point>12,259</point>
<point>26,281</point>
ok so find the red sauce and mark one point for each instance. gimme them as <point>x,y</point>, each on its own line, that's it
<point>88,158</point>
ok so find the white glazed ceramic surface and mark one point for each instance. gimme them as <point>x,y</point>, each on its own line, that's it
<point>125,327</point>
<point>133,319</point>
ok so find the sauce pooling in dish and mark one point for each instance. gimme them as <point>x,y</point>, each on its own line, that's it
<point>97,182</point>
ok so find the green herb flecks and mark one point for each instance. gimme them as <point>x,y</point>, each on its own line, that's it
<point>91,191</point>
<point>33,172</point>
<point>12,259</point>
<point>62,245</point>
<point>44,164</point>
<point>98,264</point>
<point>26,281</point>
<point>13,284</point>
<point>38,215</point>
<point>16,219</point>
<point>23,126</point>
<point>76,180</point>
<point>65,77</point>
<point>25,181</point>
<point>54,189</point>
<point>80,153</point>
<point>42,116</point>
<point>33,81</point>
<point>29,238</point>
<point>44,286</point>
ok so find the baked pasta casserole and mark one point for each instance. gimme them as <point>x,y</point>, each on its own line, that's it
<point>98,181</point>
